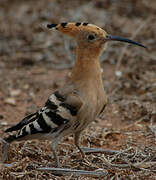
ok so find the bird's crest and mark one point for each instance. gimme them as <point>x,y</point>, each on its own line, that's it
<point>74,28</point>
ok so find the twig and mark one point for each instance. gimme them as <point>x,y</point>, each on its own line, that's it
<point>64,171</point>
<point>135,165</point>
<point>121,152</point>
<point>144,164</point>
<point>90,164</point>
<point>99,150</point>
<point>133,124</point>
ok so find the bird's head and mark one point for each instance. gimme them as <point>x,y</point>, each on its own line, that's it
<point>89,36</point>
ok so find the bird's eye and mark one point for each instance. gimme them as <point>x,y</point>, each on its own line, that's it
<point>91,37</point>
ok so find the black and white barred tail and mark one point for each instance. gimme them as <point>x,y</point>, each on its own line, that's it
<point>49,119</point>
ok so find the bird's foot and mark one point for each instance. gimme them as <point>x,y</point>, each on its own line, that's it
<point>82,153</point>
<point>83,156</point>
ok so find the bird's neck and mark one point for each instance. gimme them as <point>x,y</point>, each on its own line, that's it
<point>87,66</point>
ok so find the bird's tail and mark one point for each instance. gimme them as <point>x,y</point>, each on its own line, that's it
<point>20,129</point>
<point>10,138</point>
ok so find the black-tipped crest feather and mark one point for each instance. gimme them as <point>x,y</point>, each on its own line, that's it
<point>50,26</point>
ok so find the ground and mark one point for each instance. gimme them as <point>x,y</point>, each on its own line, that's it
<point>35,61</point>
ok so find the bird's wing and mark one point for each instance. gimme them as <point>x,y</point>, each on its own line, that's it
<point>59,109</point>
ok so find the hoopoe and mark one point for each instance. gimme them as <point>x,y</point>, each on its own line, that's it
<point>71,108</point>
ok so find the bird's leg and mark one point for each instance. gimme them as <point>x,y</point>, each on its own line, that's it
<point>56,159</point>
<point>76,141</point>
<point>53,147</point>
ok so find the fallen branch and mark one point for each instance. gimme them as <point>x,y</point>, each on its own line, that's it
<point>64,171</point>
<point>98,150</point>
<point>135,165</point>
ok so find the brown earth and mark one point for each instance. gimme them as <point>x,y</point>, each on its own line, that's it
<point>35,61</point>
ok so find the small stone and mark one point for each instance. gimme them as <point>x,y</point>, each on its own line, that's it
<point>101,143</point>
<point>10,101</point>
<point>118,73</point>
<point>127,84</point>
<point>32,94</point>
<point>15,92</point>
<point>26,86</point>
<point>1,116</point>
<point>4,123</point>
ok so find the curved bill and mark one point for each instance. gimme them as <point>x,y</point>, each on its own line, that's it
<point>117,38</point>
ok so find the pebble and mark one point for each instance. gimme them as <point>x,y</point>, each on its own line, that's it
<point>10,101</point>
<point>4,123</point>
<point>118,73</point>
<point>15,92</point>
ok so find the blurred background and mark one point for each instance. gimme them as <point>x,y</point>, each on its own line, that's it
<point>34,61</point>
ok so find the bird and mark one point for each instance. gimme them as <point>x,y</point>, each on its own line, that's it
<point>72,107</point>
